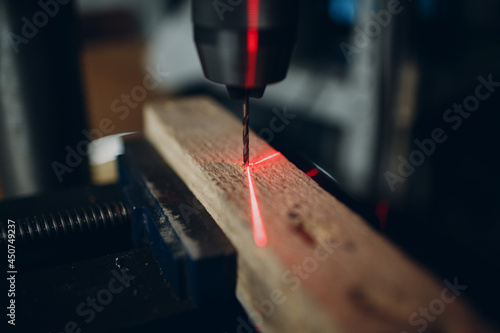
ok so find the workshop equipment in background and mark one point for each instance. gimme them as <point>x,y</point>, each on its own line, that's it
<point>41,99</point>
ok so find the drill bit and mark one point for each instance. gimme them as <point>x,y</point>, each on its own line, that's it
<point>246,136</point>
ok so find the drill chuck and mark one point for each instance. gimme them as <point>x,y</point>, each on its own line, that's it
<point>245,44</point>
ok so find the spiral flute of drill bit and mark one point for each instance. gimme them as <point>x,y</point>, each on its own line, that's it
<point>246,134</point>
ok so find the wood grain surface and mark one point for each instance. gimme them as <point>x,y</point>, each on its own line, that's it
<point>323,268</point>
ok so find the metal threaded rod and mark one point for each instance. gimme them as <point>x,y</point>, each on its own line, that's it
<point>72,222</point>
<point>246,135</point>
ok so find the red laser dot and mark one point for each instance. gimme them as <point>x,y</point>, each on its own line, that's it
<point>312,173</point>
<point>259,231</point>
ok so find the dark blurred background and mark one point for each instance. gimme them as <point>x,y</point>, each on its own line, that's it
<point>368,78</point>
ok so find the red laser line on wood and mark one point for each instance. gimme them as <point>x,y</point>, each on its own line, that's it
<point>265,159</point>
<point>259,231</point>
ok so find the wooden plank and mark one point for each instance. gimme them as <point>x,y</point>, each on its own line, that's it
<point>323,269</point>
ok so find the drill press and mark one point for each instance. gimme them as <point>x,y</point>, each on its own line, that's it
<point>245,45</point>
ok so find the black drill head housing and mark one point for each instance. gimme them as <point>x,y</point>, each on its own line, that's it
<point>220,33</point>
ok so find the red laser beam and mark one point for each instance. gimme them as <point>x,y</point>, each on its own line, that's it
<point>265,159</point>
<point>252,41</point>
<point>259,231</point>
<point>382,211</point>
<point>312,173</point>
